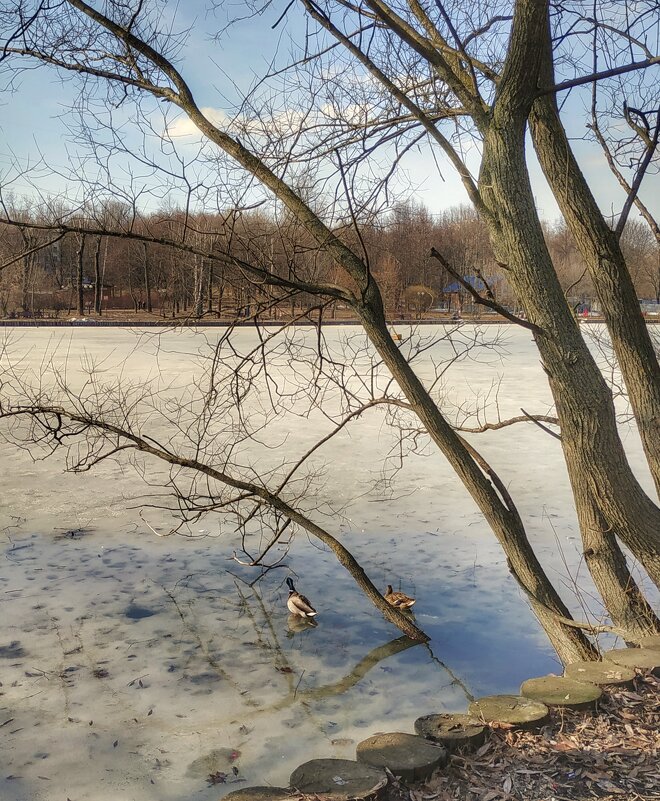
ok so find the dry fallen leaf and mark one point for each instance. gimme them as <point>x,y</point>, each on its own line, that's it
<point>578,756</point>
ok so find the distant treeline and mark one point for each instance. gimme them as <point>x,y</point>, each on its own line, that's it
<point>171,263</point>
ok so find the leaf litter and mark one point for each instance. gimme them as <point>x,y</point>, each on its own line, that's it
<point>612,754</point>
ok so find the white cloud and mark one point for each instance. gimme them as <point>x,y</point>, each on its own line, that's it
<point>183,126</point>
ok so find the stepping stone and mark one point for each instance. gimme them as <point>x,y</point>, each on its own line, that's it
<point>561,691</point>
<point>640,658</point>
<point>262,793</point>
<point>653,641</point>
<point>513,709</point>
<point>601,673</point>
<point>337,779</point>
<point>411,757</point>
<point>453,731</point>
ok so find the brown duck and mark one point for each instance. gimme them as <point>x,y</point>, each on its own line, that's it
<point>398,599</point>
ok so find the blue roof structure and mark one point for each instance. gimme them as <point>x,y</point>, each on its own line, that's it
<point>474,281</point>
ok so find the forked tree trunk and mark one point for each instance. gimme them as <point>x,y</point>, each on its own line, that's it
<point>607,564</point>
<point>607,267</point>
<point>597,465</point>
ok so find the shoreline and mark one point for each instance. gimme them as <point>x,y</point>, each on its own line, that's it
<point>88,322</point>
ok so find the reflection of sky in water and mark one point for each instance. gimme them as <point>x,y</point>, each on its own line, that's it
<point>160,648</point>
<point>134,666</point>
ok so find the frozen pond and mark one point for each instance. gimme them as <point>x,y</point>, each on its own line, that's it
<point>133,666</point>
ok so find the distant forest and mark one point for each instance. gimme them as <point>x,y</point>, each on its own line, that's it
<point>171,263</point>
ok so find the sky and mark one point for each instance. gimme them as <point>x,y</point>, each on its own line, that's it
<point>33,119</point>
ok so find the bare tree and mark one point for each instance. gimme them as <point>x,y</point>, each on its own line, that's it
<point>422,68</point>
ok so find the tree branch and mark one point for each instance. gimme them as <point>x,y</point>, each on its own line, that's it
<point>535,418</point>
<point>346,559</point>
<point>524,418</point>
<point>651,143</point>
<point>599,76</point>
<point>491,303</point>
<point>416,112</point>
<point>29,252</point>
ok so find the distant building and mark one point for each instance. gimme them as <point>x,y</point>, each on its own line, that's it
<point>458,296</point>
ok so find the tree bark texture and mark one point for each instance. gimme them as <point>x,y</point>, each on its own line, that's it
<point>621,596</point>
<point>79,276</point>
<point>611,278</point>
<point>597,465</point>
<point>569,642</point>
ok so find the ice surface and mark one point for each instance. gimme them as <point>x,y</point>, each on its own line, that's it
<point>133,666</point>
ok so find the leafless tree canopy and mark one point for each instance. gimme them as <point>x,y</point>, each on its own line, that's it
<point>316,152</point>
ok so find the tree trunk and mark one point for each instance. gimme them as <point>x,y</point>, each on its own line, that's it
<point>209,288</point>
<point>625,603</point>
<point>131,293</point>
<point>26,281</point>
<point>79,276</point>
<point>198,289</point>
<point>597,465</point>
<point>607,267</point>
<point>147,278</point>
<point>98,281</point>
<point>570,643</point>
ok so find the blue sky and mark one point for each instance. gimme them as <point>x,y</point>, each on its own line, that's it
<point>32,120</point>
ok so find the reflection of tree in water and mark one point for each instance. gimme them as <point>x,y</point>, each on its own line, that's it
<point>203,646</point>
<point>369,661</point>
<point>267,638</point>
<point>336,688</point>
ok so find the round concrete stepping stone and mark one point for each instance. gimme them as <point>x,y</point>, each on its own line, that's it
<point>260,793</point>
<point>411,757</point>
<point>653,641</point>
<point>601,673</point>
<point>452,731</point>
<point>337,779</point>
<point>641,658</point>
<point>561,691</point>
<point>516,710</point>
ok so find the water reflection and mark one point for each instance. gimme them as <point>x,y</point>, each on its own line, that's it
<point>360,670</point>
<point>218,664</point>
<point>295,624</point>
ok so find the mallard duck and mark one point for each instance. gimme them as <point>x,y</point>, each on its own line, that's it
<point>398,599</point>
<point>297,604</point>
